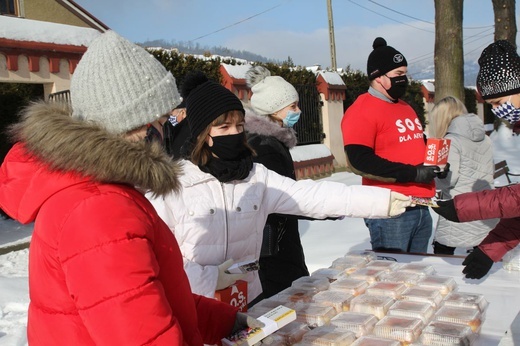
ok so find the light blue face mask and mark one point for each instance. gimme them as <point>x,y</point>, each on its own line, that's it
<point>291,119</point>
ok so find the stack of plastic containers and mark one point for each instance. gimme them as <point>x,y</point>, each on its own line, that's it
<point>362,300</point>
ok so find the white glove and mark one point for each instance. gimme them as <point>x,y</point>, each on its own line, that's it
<point>225,279</point>
<point>398,203</point>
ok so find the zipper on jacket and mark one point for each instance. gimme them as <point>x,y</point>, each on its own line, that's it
<point>226,228</point>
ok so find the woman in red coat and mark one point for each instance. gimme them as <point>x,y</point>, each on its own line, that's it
<point>498,82</point>
<point>104,269</point>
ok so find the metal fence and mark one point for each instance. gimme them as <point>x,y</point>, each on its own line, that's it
<point>60,96</point>
<point>309,128</point>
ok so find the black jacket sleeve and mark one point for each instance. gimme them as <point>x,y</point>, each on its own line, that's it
<point>363,161</point>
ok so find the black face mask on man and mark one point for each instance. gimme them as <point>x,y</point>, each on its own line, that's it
<point>229,147</point>
<point>398,86</point>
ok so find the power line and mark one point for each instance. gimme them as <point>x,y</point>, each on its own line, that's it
<point>402,14</point>
<point>379,14</point>
<point>239,22</point>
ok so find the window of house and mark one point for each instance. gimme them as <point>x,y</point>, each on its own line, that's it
<point>8,7</point>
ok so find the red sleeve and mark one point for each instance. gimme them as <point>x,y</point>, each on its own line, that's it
<point>502,202</point>
<point>504,237</point>
<point>216,319</point>
<point>111,273</point>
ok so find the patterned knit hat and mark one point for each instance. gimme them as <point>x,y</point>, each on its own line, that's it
<point>499,73</point>
<point>206,100</point>
<point>120,86</point>
<point>270,93</point>
<point>383,59</point>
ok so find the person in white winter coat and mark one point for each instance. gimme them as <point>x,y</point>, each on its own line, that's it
<point>219,215</point>
<point>471,169</point>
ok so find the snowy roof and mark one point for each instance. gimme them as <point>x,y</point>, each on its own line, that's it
<point>429,84</point>
<point>22,29</point>
<point>332,78</point>
<point>237,71</point>
<point>309,152</point>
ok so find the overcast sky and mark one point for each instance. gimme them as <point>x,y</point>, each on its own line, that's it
<point>277,29</point>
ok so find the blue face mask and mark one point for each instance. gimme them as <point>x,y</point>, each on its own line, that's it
<point>507,112</point>
<point>291,118</point>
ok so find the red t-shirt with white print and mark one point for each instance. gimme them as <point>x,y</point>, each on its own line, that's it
<point>395,133</point>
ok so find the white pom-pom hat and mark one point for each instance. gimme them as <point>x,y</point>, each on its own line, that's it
<point>270,93</point>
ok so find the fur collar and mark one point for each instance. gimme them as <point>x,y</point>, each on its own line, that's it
<point>69,145</point>
<point>263,126</point>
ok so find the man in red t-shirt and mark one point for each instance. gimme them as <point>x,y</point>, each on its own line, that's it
<point>384,143</point>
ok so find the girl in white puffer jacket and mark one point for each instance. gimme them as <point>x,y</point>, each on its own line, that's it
<point>220,213</point>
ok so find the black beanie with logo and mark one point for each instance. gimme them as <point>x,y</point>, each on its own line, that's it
<point>499,73</point>
<point>383,59</point>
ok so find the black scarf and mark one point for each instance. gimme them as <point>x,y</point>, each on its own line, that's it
<point>226,171</point>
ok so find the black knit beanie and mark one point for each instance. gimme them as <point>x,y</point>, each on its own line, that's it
<point>383,59</point>
<point>499,73</point>
<point>206,100</point>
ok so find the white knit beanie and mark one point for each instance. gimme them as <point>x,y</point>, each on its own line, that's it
<point>120,86</point>
<point>270,93</point>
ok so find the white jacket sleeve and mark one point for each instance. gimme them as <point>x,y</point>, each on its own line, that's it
<point>324,198</point>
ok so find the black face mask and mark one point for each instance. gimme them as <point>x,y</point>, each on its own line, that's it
<point>229,147</point>
<point>397,86</point>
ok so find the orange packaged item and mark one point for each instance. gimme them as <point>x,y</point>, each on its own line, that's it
<point>437,151</point>
<point>235,295</point>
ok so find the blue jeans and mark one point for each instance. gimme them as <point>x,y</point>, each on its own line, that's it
<point>409,232</point>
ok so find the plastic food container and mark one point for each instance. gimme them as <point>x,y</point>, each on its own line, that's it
<point>329,336</point>
<point>337,299</point>
<point>444,284</point>
<point>407,278</point>
<point>383,264</point>
<point>456,314</point>
<point>388,289</point>
<point>315,315</point>
<point>445,333</point>
<point>407,308</point>
<point>331,274</point>
<point>348,264</point>
<point>311,283</point>
<point>295,295</point>
<point>356,322</point>
<point>403,329</point>
<point>418,268</point>
<point>466,300</point>
<point>352,286</point>
<point>423,294</point>
<point>370,275</point>
<point>273,340</point>
<point>370,304</point>
<point>371,340</point>
<point>293,332</point>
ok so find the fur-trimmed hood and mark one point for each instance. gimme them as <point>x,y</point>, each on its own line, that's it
<point>261,125</point>
<point>72,146</point>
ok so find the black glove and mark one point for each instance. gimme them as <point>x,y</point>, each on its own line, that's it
<point>447,209</point>
<point>477,264</point>
<point>243,321</point>
<point>444,173</point>
<point>425,174</point>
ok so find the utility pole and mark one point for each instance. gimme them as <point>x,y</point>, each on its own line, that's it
<point>332,41</point>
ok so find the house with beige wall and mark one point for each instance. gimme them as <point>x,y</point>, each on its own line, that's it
<point>41,41</point>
